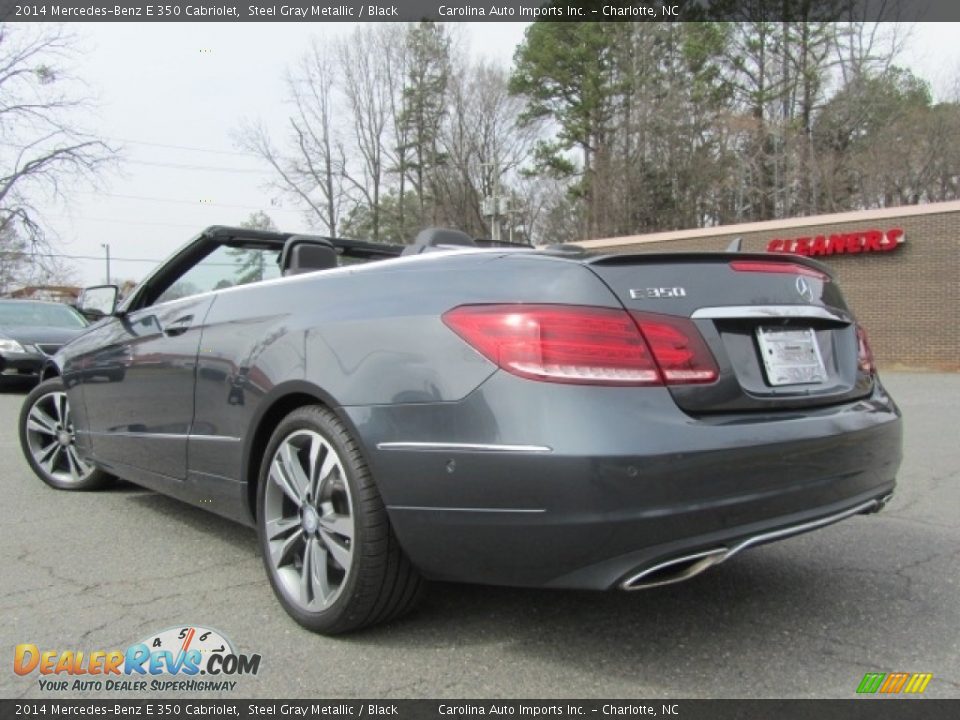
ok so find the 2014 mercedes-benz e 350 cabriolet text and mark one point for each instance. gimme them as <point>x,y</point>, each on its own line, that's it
<point>453,410</point>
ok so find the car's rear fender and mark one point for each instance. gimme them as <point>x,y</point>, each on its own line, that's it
<point>276,405</point>
<point>373,336</point>
<point>563,478</point>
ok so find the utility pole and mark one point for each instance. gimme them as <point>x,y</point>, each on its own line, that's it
<point>106,247</point>
<point>491,203</point>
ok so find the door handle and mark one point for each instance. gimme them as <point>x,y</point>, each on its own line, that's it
<point>178,326</point>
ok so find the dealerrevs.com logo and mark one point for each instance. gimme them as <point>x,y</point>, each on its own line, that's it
<point>171,660</point>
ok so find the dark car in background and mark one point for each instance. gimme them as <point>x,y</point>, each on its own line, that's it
<point>444,410</point>
<point>30,332</point>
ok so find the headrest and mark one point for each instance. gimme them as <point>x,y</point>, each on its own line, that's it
<point>302,255</point>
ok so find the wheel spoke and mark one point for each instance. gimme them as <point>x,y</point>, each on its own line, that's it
<point>71,464</point>
<point>320,580</point>
<point>306,572</point>
<point>40,422</point>
<point>281,526</point>
<point>337,524</point>
<point>47,456</point>
<point>280,551</point>
<point>59,404</point>
<point>339,553</point>
<point>329,465</point>
<point>280,475</point>
<point>76,461</point>
<point>316,447</point>
<point>330,484</point>
<point>291,464</point>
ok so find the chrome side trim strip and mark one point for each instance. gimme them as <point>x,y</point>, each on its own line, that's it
<point>771,311</point>
<point>160,436</point>
<point>462,447</point>
<point>480,510</point>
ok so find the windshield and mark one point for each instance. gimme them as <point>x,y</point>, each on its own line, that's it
<point>21,313</point>
<point>225,267</point>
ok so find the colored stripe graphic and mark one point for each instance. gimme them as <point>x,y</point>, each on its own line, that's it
<point>918,683</point>
<point>894,682</point>
<point>871,682</point>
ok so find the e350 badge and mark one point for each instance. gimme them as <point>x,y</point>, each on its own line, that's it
<point>189,651</point>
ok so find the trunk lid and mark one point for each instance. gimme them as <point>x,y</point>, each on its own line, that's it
<point>777,326</point>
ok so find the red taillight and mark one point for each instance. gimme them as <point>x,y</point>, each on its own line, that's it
<point>787,268</point>
<point>573,344</point>
<point>679,349</point>
<point>864,352</point>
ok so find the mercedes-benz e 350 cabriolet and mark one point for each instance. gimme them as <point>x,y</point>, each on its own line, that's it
<point>453,411</point>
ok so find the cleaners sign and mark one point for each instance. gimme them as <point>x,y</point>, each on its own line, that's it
<point>864,241</point>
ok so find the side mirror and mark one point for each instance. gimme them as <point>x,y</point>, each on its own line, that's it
<point>98,301</point>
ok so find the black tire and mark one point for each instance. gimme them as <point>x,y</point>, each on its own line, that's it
<point>47,438</point>
<point>379,583</point>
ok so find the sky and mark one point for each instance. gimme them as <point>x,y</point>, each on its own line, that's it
<point>173,94</point>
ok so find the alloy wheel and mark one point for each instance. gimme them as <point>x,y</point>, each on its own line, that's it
<point>308,520</point>
<point>51,439</point>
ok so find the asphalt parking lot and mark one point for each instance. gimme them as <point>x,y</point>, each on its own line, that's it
<point>806,617</point>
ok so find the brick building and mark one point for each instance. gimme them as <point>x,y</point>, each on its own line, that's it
<point>898,267</point>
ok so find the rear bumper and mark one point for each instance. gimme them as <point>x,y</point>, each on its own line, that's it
<point>596,484</point>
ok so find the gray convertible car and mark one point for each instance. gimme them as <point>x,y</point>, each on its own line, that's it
<point>444,410</point>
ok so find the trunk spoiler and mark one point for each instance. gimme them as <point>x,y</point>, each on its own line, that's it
<point>698,257</point>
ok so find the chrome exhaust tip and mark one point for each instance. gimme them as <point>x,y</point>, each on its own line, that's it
<point>675,570</point>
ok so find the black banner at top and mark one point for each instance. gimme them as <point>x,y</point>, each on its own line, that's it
<point>477,10</point>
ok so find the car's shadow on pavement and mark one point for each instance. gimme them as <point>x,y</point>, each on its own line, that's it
<point>763,605</point>
<point>730,598</point>
<point>174,511</point>
<point>757,611</point>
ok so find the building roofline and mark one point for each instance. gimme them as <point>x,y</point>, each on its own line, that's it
<point>720,231</point>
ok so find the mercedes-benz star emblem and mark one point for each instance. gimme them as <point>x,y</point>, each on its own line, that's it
<point>803,287</point>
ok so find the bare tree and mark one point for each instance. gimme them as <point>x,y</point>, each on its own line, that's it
<point>425,99</point>
<point>14,260</point>
<point>399,150</point>
<point>44,146</point>
<point>364,69</point>
<point>22,263</point>
<point>310,167</point>
<point>869,48</point>
<point>484,143</point>
<point>57,272</point>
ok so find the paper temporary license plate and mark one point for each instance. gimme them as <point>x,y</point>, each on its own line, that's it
<point>791,357</point>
